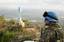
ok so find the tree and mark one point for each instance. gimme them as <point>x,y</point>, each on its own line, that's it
<point>2,21</point>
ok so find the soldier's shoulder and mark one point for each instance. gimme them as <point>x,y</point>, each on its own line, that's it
<point>60,30</point>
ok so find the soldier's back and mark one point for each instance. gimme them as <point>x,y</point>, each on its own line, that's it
<point>50,35</point>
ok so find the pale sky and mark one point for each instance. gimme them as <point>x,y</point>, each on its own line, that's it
<point>33,4</point>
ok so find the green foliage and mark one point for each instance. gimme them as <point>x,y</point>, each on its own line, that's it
<point>2,21</point>
<point>26,21</point>
<point>2,18</point>
<point>6,36</point>
<point>12,29</point>
<point>12,25</point>
<point>29,34</point>
<point>11,22</point>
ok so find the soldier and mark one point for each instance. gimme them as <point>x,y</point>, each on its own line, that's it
<point>51,32</point>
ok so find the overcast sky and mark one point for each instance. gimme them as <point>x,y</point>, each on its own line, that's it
<point>33,4</point>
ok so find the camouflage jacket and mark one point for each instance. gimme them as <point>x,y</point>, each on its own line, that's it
<point>50,35</point>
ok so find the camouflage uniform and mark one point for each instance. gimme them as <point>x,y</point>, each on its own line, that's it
<point>52,35</point>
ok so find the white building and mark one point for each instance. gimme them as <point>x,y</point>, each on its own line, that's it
<point>21,22</point>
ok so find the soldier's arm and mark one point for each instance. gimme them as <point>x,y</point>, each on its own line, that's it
<point>61,35</point>
<point>44,36</point>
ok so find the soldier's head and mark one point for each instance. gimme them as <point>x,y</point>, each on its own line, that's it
<point>50,18</point>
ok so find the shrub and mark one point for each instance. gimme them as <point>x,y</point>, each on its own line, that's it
<point>6,36</point>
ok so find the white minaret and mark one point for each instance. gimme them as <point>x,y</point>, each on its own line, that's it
<point>20,19</point>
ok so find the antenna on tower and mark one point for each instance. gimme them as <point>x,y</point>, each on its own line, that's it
<point>19,9</point>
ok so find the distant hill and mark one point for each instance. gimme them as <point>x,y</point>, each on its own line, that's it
<point>26,13</point>
<point>31,14</point>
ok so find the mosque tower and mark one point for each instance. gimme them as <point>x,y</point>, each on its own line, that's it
<point>20,18</point>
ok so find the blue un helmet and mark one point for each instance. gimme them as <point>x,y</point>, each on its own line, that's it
<point>50,17</point>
